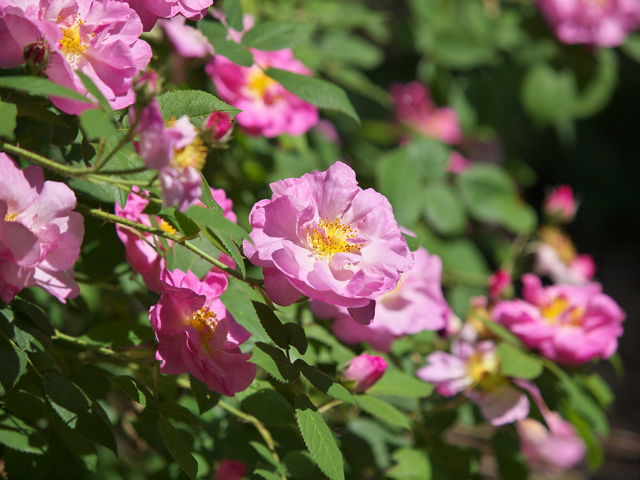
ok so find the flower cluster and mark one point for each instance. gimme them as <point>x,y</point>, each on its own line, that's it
<point>40,235</point>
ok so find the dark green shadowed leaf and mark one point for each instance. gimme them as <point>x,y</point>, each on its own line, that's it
<point>277,35</point>
<point>324,382</point>
<point>510,460</point>
<point>13,364</point>
<point>180,452</point>
<point>180,413</point>
<point>274,362</point>
<point>233,12</point>
<point>205,398</point>
<point>272,325</point>
<point>268,406</point>
<point>136,391</point>
<point>319,439</point>
<point>297,337</point>
<point>17,434</point>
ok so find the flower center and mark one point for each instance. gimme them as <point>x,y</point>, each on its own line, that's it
<point>330,238</point>
<point>193,155</point>
<point>71,44</point>
<point>560,309</point>
<point>166,227</point>
<point>484,370</point>
<point>560,243</point>
<point>10,217</point>
<point>259,83</point>
<point>205,322</point>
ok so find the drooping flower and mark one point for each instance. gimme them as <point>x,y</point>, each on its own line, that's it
<point>603,23</point>
<point>40,235</point>
<point>557,257</point>
<point>416,110</point>
<point>560,204</point>
<point>97,37</point>
<point>416,304</point>
<point>267,108</point>
<point>475,370</point>
<point>569,324</point>
<point>187,41</point>
<point>323,236</point>
<point>365,370</point>
<point>151,10</point>
<point>196,334</point>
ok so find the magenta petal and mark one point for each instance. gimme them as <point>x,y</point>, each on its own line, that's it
<point>363,315</point>
<point>279,288</point>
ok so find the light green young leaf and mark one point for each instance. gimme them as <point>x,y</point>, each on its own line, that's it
<point>411,464</point>
<point>381,409</point>
<point>17,434</point>
<point>97,124</point>
<point>518,364</point>
<point>93,90</point>
<point>443,209</point>
<point>277,35</point>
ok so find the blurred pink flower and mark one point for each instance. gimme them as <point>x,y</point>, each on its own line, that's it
<point>217,128</point>
<point>323,236</point>
<point>365,370</point>
<point>187,41</point>
<point>416,304</point>
<point>230,470</point>
<point>40,235</point>
<point>499,282</point>
<point>150,10</point>
<point>416,109</point>
<point>475,371</point>
<point>457,163</point>
<point>328,130</point>
<point>196,334</point>
<point>267,108</point>
<point>96,37</point>
<point>568,324</point>
<point>560,204</point>
<point>557,257</point>
<point>603,23</point>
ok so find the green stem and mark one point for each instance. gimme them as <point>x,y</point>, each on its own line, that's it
<point>329,406</point>
<point>81,343</point>
<point>42,161</point>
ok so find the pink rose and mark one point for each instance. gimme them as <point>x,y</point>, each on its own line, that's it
<point>560,204</point>
<point>569,324</point>
<point>267,108</point>
<point>365,370</point>
<point>187,41</point>
<point>196,334</point>
<point>97,37</point>
<point>150,10</point>
<point>323,236</point>
<point>40,235</point>
<point>415,109</point>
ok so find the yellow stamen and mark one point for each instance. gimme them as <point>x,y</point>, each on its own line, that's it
<point>193,155</point>
<point>331,238</point>
<point>259,83</point>
<point>10,217</point>
<point>560,309</point>
<point>70,45</point>
<point>205,322</point>
<point>484,370</point>
<point>166,227</point>
<point>560,243</point>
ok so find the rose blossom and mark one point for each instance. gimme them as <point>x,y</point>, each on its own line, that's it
<point>196,334</point>
<point>141,248</point>
<point>323,236</point>
<point>568,324</point>
<point>475,371</point>
<point>415,109</point>
<point>267,108</point>
<point>97,37</point>
<point>187,41</point>
<point>150,10</point>
<point>557,257</point>
<point>416,304</point>
<point>365,370</point>
<point>560,205</point>
<point>603,23</point>
<point>40,235</point>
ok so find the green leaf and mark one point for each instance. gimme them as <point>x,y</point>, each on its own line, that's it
<point>277,35</point>
<point>13,364</point>
<point>631,46</point>
<point>93,90</point>
<point>97,124</point>
<point>233,12</point>
<point>216,33</point>
<point>41,87</point>
<point>317,92</point>
<point>136,391</point>
<point>411,464</point>
<point>180,413</point>
<point>17,434</point>
<point>25,399</point>
<point>197,105</point>
<point>268,406</point>
<point>383,410</point>
<point>443,209</point>
<point>600,389</point>
<point>511,463</point>
<point>35,313</point>
<point>8,114</point>
<point>205,398</point>
<point>207,197</point>
<point>324,382</point>
<point>272,325</point>
<point>78,410</point>
<point>299,464</point>
<point>595,451</point>
<point>397,180</point>
<point>340,353</point>
<point>412,242</point>
<point>235,299</point>
<point>297,337</point>
<point>319,439</point>
<point>274,362</point>
<point>354,49</point>
<point>395,382</point>
<point>177,448</point>
<point>267,474</point>
<point>516,363</point>
<point>265,453</point>
<point>119,335</point>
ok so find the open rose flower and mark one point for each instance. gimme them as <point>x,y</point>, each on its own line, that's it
<point>196,334</point>
<point>416,109</point>
<point>267,108</point>
<point>98,38</point>
<point>40,235</point>
<point>568,324</point>
<point>323,236</point>
<point>151,10</point>
<point>475,371</point>
<point>603,23</point>
<point>416,304</point>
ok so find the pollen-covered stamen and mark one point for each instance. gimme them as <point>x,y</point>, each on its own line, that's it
<point>560,311</point>
<point>560,243</point>
<point>71,44</point>
<point>205,322</point>
<point>10,217</point>
<point>259,83</point>
<point>484,370</point>
<point>166,227</point>
<point>193,155</point>
<point>331,237</point>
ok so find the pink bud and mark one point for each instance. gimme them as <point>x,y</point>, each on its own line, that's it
<point>498,283</point>
<point>37,56</point>
<point>217,127</point>
<point>365,370</point>
<point>560,205</point>
<point>231,470</point>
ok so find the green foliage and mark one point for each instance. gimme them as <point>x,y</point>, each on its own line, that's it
<point>277,35</point>
<point>177,448</point>
<point>272,325</point>
<point>274,362</point>
<point>410,464</point>
<point>8,114</point>
<point>41,87</point>
<point>216,34</point>
<point>382,410</point>
<point>195,104</point>
<point>323,382</point>
<point>395,382</point>
<point>518,364</point>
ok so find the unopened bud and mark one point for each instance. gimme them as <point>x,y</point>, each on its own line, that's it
<point>499,285</point>
<point>37,56</point>
<point>560,205</point>
<point>217,128</point>
<point>365,370</point>
<point>146,87</point>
